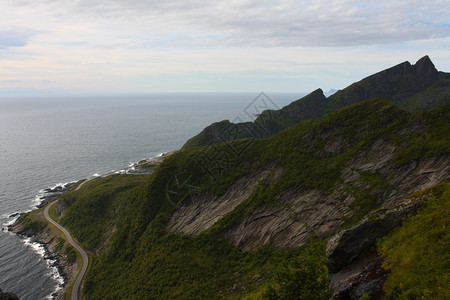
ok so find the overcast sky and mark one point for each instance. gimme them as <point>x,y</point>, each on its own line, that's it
<point>213,46</point>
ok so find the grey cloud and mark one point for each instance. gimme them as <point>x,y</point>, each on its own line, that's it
<point>269,23</point>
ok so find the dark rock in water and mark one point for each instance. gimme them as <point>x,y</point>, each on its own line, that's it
<point>364,276</point>
<point>7,296</point>
<point>14,215</point>
<point>58,189</point>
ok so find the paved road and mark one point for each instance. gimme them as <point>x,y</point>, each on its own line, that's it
<point>81,184</point>
<point>84,265</point>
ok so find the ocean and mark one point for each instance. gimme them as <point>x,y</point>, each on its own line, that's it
<point>50,141</point>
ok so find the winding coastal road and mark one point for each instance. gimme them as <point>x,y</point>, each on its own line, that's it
<point>85,259</point>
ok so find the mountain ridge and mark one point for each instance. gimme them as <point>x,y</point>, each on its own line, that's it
<point>410,87</point>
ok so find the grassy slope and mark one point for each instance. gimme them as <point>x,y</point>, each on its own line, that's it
<point>417,254</point>
<point>143,261</point>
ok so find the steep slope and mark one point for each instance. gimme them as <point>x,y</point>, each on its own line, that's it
<point>326,173</point>
<point>417,253</point>
<point>181,234</point>
<point>410,87</point>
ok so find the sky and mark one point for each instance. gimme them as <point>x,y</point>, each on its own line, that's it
<point>146,46</point>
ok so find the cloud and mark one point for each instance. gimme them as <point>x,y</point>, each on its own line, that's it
<point>150,45</point>
<point>265,23</point>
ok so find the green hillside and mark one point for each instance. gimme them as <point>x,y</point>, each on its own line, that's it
<point>123,218</point>
<point>417,253</point>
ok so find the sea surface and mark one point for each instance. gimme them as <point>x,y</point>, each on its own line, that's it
<point>50,141</point>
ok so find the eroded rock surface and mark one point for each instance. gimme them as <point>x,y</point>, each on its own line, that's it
<point>200,212</point>
<point>364,276</point>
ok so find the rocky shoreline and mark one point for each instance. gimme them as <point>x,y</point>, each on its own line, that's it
<point>47,238</point>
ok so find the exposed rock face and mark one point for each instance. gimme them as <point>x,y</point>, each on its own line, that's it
<point>410,87</point>
<point>198,214</point>
<point>290,224</point>
<point>7,296</point>
<point>352,256</point>
<point>364,276</point>
<point>300,214</point>
<point>345,247</point>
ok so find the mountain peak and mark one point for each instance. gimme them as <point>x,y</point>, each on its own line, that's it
<point>425,61</point>
<point>425,68</point>
<point>319,90</point>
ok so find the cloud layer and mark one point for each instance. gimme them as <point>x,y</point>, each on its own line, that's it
<point>68,41</point>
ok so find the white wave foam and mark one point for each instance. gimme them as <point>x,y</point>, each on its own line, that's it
<point>96,175</point>
<point>53,270</point>
<point>10,219</point>
<point>43,192</point>
<point>37,248</point>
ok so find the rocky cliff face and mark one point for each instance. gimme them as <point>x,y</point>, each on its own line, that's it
<point>201,211</point>
<point>371,177</point>
<point>410,87</point>
<point>302,213</point>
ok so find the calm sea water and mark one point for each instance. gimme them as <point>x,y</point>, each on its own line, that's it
<point>44,142</point>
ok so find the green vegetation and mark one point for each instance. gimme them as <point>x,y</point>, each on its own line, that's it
<point>417,254</point>
<point>59,243</point>
<point>31,223</point>
<point>71,254</point>
<point>433,139</point>
<point>123,217</point>
<point>95,206</point>
<point>304,277</point>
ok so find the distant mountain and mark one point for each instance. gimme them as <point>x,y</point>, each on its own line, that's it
<point>330,92</point>
<point>409,87</point>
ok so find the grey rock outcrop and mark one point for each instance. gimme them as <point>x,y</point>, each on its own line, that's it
<point>363,276</point>
<point>200,212</point>
<point>346,246</point>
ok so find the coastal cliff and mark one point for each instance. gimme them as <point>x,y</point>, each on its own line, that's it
<point>313,207</point>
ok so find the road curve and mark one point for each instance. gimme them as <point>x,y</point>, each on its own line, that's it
<point>85,259</point>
